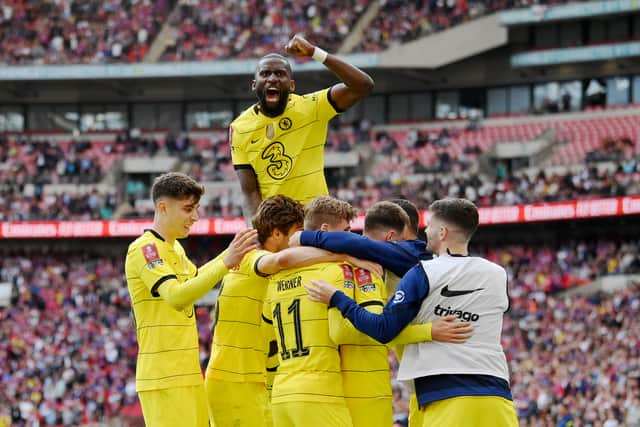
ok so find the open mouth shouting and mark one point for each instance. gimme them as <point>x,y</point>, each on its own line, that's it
<point>272,95</point>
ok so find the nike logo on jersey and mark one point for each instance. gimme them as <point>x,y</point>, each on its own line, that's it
<point>253,141</point>
<point>445,292</point>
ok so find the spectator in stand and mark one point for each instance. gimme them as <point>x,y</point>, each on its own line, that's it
<point>232,30</point>
<point>76,365</point>
<point>70,32</point>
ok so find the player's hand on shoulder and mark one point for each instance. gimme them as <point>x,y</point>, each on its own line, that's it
<point>243,242</point>
<point>299,46</point>
<point>449,329</point>
<point>373,267</point>
<point>320,291</point>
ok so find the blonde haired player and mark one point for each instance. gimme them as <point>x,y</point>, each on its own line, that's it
<point>308,388</point>
<point>164,284</point>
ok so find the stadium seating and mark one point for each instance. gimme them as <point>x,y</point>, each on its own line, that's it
<point>65,32</point>
<point>400,21</point>
<point>68,32</point>
<point>67,352</point>
<point>404,160</point>
<point>228,29</point>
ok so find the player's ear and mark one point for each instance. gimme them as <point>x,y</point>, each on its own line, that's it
<point>324,227</point>
<point>276,233</point>
<point>253,85</point>
<point>443,232</point>
<point>292,85</point>
<point>161,206</point>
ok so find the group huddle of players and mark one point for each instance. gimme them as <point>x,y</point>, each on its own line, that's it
<point>322,370</point>
<point>304,318</point>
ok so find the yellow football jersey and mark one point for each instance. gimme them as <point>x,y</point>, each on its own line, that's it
<point>238,351</point>
<point>168,353</point>
<point>365,363</point>
<point>286,152</point>
<point>309,369</point>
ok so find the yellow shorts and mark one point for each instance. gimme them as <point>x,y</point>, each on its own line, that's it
<point>370,412</point>
<point>237,404</point>
<point>415,414</point>
<point>470,411</point>
<point>179,406</point>
<point>310,414</point>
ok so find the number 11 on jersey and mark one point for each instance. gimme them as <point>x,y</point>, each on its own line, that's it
<point>294,310</point>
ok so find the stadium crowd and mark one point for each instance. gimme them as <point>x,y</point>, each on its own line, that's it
<point>72,32</point>
<point>576,359</point>
<point>241,30</point>
<point>67,352</point>
<point>500,190</point>
<point>401,21</point>
<point>28,164</point>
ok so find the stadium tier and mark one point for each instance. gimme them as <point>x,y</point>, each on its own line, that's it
<point>529,109</point>
<point>394,160</point>
<point>65,32</point>
<point>68,32</point>
<point>67,343</point>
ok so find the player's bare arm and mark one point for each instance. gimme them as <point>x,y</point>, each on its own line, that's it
<point>356,84</point>
<point>304,256</point>
<point>250,190</point>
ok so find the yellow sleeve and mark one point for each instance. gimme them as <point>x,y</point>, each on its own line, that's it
<point>238,153</point>
<point>266,325</point>
<point>326,110</point>
<point>271,345</point>
<point>213,263</point>
<point>413,334</point>
<point>180,295</point>
<point>162,280</point>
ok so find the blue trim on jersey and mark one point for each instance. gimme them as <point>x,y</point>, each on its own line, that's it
<point>438,387</point>
<point>397,314</point>
<point>397,256</point>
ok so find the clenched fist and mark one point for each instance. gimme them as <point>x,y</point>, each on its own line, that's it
<point>299,46</point>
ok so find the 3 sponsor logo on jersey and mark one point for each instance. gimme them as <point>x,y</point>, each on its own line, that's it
<point>280,164</point>
<point>467,316</point>
<point>285,285</point>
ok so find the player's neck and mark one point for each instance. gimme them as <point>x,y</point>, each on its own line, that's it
<point>454,249</point>
<point>270,245</point>
<point>159,228</point>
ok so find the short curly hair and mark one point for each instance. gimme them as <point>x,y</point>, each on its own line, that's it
<point>327,210</point>
<point>175,185</point>
<point>277,213</point>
